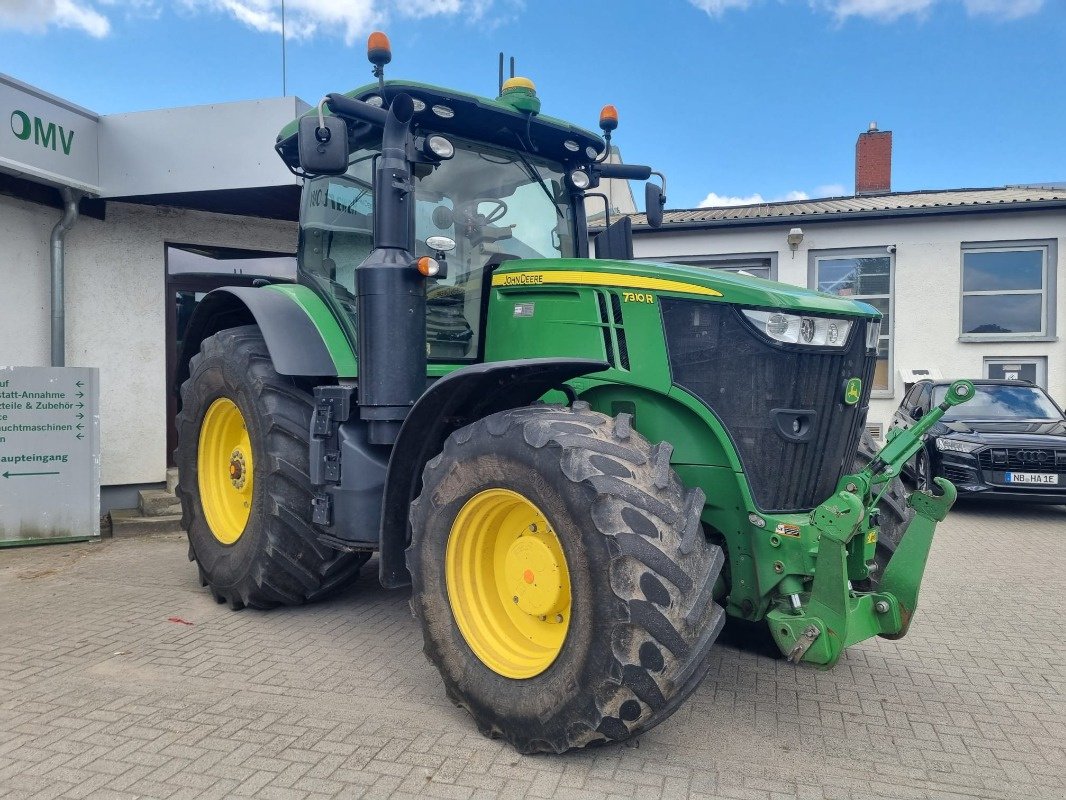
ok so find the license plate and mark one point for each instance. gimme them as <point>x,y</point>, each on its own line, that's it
<point>1031,477</point>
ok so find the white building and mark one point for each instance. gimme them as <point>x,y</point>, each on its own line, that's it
<point>170,203</point>
<point>970,281</point>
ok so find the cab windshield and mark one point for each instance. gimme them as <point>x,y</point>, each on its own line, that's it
<point>493,204</point>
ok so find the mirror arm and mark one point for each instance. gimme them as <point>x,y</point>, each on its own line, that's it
<point>356,109</point>
<point>662,180</point>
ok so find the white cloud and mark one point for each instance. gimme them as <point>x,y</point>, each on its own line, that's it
<point>718,7</point>
<point>830,190</point>
<point>38,15</point>
<point>883,10</point>
<point>346,19</point>
<point>889,10</point>
<point>1003,9</point>
<point>713,199</point>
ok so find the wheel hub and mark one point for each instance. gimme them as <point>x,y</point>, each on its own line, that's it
<point>535,573</point>
<point>237,469</point>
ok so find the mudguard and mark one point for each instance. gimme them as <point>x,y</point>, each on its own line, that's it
<point>454,401</point>
<point>296,346</point>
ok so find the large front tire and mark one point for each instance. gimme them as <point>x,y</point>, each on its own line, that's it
<point>245,494</point>
<point>562,578</point>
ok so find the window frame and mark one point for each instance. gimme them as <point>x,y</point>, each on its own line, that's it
<point>880,251</point>
<point>1040,362</point>
<point>1048,292</point>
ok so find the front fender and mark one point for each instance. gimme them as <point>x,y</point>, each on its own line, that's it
<point>454,401</point>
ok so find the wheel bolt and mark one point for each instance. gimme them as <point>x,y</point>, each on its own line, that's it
<point>515,598</point>
<point>881,607</point>
<point>558,617</point>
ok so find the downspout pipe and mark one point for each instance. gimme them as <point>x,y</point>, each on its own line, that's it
<point>59,233</point>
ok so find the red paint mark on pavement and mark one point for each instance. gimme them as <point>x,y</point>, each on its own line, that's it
<point>179,620</point>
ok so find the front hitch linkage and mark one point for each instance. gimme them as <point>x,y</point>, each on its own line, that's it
<point>834,616</point>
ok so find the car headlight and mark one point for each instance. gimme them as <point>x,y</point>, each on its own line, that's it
<point>956,446</point>
<point>797,329</point>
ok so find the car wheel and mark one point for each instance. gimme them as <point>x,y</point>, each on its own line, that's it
<point>923,470</point>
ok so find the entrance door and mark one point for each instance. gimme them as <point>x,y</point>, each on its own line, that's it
<point>192,272</point>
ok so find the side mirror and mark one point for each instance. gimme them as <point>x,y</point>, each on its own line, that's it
<point>323,148</point>
<point>654,202</point>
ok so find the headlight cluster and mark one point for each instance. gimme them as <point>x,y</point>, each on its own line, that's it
<point>956,446</point>
<point>795,329</point>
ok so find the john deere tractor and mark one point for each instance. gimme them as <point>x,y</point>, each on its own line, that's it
<point>579,466</point>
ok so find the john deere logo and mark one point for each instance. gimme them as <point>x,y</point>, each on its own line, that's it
<point>852,391</point>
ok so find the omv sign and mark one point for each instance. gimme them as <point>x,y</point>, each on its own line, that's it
<point>45,134</point>
<point>47,139</point>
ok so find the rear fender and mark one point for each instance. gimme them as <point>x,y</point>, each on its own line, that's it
<point>454,401</point>
<point>301,334</point>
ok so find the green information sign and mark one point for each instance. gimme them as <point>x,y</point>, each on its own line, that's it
<point>49,454</point>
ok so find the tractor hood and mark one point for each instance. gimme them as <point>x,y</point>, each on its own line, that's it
<point>713,285</point>
<point>447,111</point>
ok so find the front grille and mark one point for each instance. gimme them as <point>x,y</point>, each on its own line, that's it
<point>959,475</point>
<point>742,377</point>
<point>1024,459</point>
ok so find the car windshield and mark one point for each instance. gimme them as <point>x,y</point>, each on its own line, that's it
<point>491,203</point>
<point>1001,401</point>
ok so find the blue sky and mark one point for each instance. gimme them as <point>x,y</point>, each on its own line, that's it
<point>733,99</point>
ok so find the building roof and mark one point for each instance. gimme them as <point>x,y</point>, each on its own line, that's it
<point>890,204</point>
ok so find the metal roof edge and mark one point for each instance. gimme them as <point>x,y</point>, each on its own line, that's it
<point>40,94</point>
<point>847,216</point>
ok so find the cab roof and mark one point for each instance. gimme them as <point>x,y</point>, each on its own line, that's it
<point>473,117</point>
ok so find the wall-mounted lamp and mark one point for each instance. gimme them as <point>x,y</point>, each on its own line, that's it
<point>795,236</point>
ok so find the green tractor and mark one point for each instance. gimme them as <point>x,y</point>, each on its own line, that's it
<point>579,466</point>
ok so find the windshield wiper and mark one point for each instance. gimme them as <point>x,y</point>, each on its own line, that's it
<point>535,175</point>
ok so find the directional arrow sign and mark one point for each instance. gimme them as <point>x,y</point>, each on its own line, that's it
<point>61,450</point>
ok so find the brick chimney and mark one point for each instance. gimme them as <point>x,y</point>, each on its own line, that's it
<point>873,161</point>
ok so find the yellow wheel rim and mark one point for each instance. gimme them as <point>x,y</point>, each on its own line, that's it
<point>508,583</point>
<point>225,470</point>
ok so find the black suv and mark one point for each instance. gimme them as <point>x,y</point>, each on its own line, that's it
<point>1008,442</point>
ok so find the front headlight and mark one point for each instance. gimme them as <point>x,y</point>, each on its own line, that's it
<point>956,446</point>
<point>796,329</point>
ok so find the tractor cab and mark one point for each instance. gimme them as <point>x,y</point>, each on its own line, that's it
<point>492,181</point>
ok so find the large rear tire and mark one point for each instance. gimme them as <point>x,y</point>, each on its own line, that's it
<point>562,578</point>
<point>245,493</point>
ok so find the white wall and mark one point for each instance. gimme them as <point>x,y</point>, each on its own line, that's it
<point>115,307</point>
<point>928,269</point>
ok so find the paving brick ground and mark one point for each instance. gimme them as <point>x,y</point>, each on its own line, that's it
<point>102,696</point>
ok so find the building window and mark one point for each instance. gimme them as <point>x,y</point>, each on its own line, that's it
<point>1005,292</point>
<point>761,265</point>
<point>867,278</point>
<point>1032,369</point>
